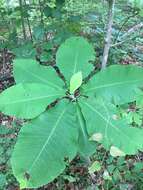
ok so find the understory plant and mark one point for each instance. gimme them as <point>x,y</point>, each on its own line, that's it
<point>69,111</point>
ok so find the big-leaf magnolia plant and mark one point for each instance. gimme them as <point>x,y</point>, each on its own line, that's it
<point>82,114</point>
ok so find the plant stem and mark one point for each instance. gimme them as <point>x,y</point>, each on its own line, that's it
<point>22,19</point>
<point>41,12</point>
<point>109,33</point>
<point>29,26</point>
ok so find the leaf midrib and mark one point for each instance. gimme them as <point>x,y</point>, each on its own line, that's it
<point>75,60</point>
<point>81,122</point>
<point>48,139</point>
<point>112,84</point>
<point>32,99</point>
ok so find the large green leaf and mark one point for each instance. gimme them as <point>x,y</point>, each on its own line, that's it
<point>104,125</point>
<point>117,83</point>
<point>45,145</point>
<point>85,146</point>
<point>74,56</point>
<point>28,70</point>
<point>27,100</point>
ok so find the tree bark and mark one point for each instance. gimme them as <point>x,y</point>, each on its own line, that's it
<point>108,38</point>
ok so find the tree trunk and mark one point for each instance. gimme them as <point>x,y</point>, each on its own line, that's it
<point>109,33</point>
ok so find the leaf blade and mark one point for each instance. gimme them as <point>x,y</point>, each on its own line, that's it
<point>73,56</point>
<point>115,132</point>
<point>116,83</point>
<point>41,157</point>
<point>29,71</point>
<point>27,100</point>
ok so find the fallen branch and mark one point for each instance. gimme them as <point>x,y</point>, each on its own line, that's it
<point>124,24</point>
<point>132,30</point>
